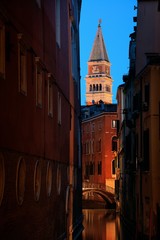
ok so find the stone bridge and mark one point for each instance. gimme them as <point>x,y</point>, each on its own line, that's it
<point>107,193</point>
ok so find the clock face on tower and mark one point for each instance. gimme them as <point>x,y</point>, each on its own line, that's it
<point>95,69</point>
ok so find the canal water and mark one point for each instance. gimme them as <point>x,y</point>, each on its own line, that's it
<point>101,224</point>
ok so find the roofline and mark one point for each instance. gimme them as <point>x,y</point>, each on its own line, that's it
<point>98,116</point>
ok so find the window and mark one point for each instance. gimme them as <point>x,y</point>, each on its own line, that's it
<point>2,51</point>
<point>114,143</point>
<point>99,125</point>
<point>58,23</point>
<point>37,180</point>
<point>58,179</point>
<point>22,65</point>
<point>136,101</point>
<point>113,167</point>
<point>99,145</point>
<point>107,70</point>
<point>20,180</point>
<point>39,82</point>
<point>90,88</point>
<point>49,179</point>
<point>108,89</point>
<point>99,167</point>
<point>93,127</point>
<point>59,108</point>
<point>100,87</point>
<point>91,168</point>
<point>87,147</point>
<point>50,95</point>
<point>114,123</point>
<point>91,150</point>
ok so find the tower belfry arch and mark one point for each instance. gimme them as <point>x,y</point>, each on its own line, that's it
<point>98,78</point>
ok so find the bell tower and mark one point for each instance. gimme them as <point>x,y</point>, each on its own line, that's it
<point>98,79</point>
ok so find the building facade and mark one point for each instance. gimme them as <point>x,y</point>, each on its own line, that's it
<point>99,145</point>
<point>147,121</point>
<point>40,161</point>
<point>139,162</point>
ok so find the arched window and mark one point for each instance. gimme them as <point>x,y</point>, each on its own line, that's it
<point>93,87</point>
<point>37,180</point>
<point>96,87</point>
<point>20,180</point>
<point>100,87</point>
<point>90,87</point>
<point>59,178</point>
<point>49,179</point>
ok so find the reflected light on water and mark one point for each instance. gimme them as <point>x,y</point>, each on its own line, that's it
<point>100,224</point>
<point>110,230</point>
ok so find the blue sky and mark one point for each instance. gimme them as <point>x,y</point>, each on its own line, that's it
<point>117,24</point>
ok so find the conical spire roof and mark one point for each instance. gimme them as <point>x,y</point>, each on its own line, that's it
<point>99,52</point>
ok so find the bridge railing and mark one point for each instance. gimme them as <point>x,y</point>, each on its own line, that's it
<point>99,186</point>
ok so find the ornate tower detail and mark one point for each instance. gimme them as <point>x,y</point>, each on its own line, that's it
<point>98,79</point>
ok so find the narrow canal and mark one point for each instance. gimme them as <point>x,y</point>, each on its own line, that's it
<point>103,224</point>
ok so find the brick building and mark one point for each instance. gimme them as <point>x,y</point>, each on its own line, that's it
<point>99,144</point>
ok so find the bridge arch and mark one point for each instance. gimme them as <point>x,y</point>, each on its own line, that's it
<point>106,196</point>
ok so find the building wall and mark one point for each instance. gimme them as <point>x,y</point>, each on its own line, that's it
<point>147,180</point>
<point>148,18</point>
<point>147,123</point>
<point>36,101</point>
<point>100,131</point>
<point>139,191</point>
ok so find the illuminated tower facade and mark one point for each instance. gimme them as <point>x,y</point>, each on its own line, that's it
<point>98,79</point>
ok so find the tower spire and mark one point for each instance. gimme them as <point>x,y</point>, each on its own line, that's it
<point>99,22</point>
<point>99,50</point>
<point>98,79</point>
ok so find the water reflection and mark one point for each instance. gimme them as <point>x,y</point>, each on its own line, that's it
<point>100,224</point>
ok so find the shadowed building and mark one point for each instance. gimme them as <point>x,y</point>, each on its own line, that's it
<point>40,161</point>
<point>139,134</point>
